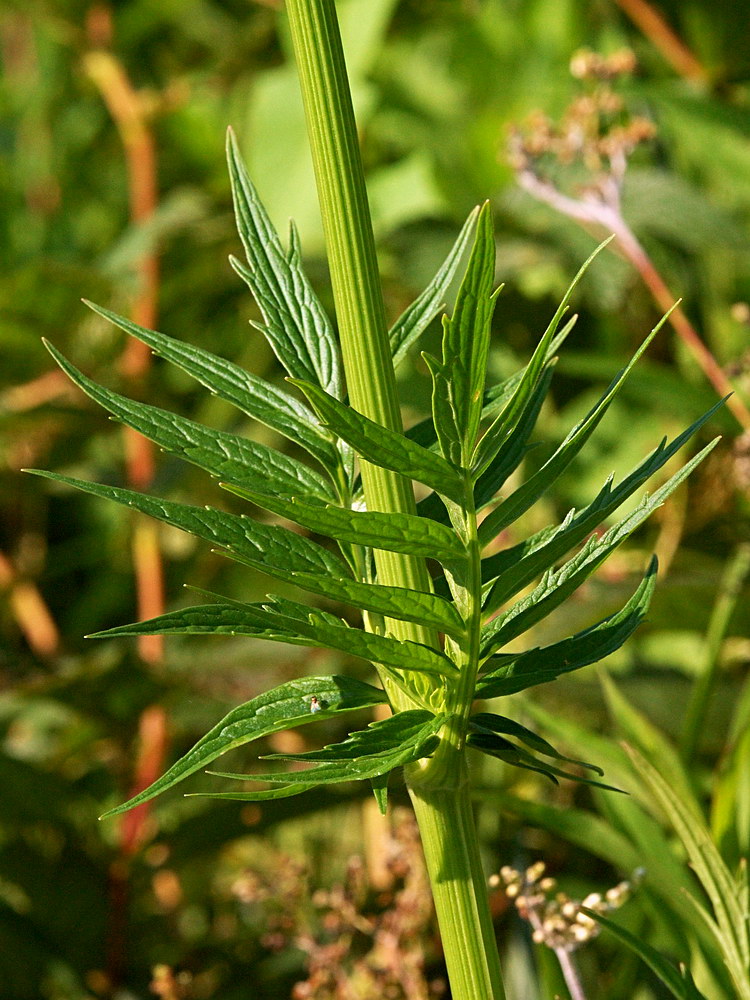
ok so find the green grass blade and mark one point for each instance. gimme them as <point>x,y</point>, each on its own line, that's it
<point>506,674</point>
<point>725,894</point>
<point>249,393</point>
<point>383,447</point>
<point>280,708</point>
<point>417,317</point>
<point>226,456</point>
<point>295,324</point>
<point>316,629</point>
<point>680,983</point>
<point>392,532</point>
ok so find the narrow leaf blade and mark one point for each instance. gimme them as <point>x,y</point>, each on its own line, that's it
<point>282,707</point>
<point>384,447</point>
<point>225,456</point>
<point>249,393</point>
<point>416,317</point>
<point>295,324</point>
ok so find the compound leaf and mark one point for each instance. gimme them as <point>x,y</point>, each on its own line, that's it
<point>303,627</point>
<point>511,672</point>
<point>249,393</point>
<point>225,456</point>
<point>283,707</point>
<point>393,532</point>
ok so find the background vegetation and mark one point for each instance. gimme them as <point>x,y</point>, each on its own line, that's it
<point>114,186</point>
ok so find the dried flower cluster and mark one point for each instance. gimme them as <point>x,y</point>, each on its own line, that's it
<point>557,920</point>
<point>374,947</point>
<point>360,942</point>
<point>597,133</point>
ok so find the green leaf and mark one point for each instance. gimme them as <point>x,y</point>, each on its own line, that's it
<point>251,394</point>
<point>516,404</point>
<point>444,418</point>
<point>466,335</point>
<point>679,983</point>
<point>384,447</point>
<point>272,549</point>
<point>226,456</point>
<point>305,627</point>
<point>381,736</point>
<point>508,727</point>
<point>515,446</point>
<point>393,602</point>
<point>380,791</point>
<point>388,743</point>
<point>393,532</point>
<point>556,586</point>
<point>515,567</point>
<point>496,746</point>
<point>280,708</point>
<point>731,927</point>
<point>538,484</point>
<point>295,324</point>
<point>516,671</point>
<point>416,317</point>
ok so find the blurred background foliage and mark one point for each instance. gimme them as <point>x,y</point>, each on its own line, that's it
<point>113,186</point>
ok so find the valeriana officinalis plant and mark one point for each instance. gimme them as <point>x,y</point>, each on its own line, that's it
<point>437,640</point>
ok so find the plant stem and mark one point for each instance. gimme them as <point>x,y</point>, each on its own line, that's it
<point>443,807</point>
<point>446,826</point>
<point>354,274</point>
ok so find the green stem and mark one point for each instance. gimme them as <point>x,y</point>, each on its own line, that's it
<point>440,795</point>
<point>448,832</point>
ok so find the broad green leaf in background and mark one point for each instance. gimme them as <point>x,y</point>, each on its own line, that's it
<point>283,707</point>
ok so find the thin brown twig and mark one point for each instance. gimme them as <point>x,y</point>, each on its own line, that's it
<point>655,28</point>
<point>130,114</point>
<point>592,210</point>
<point>29,609</point>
